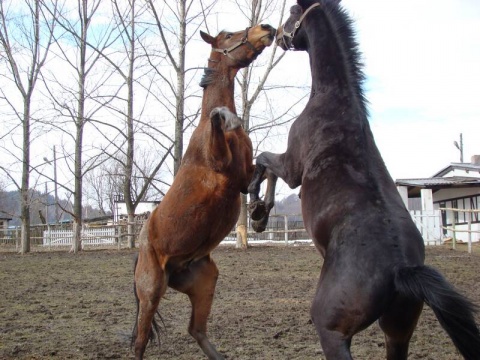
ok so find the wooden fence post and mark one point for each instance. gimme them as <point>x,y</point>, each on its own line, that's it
<point>17,239</point>
<point>118,231</point>
<point>454,237</point>
<point>469,232</point>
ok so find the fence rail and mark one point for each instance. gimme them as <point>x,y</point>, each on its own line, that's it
<point>90,237</point>
<point>470,228</point>
<point>429,223</point>
<point>280,229</point>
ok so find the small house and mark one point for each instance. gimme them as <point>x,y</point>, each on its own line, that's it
<point>454,192</point>
<point>142,210</point>
<point>4,222</point>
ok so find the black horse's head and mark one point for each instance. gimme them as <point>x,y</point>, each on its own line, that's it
<point>289,35</point>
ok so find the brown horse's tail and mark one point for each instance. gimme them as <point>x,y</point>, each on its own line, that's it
<point>453,310</point>
<point>155,330</point>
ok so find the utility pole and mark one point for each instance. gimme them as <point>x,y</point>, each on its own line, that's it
<point>54,181</point>
<point>55,184</point>
<point>460,147</point>
<point>46,204</point>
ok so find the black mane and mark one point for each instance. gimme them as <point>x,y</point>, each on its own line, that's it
<point>208,77</point>
<point>343,27</point>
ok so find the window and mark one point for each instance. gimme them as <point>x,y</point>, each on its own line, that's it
<point>474,206</point>
<point>460,217</point>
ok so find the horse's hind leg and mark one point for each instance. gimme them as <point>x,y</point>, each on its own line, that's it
<point>198,282</point>
<point>398,324</point>
<point>342,307</point>
<point>150,286</point>
<point>335,345</point>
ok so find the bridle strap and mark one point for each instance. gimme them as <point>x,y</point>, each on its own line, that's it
<point>244,41</point>
<point>297,24</point>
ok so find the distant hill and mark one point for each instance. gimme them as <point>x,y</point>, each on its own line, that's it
<point>291,205</point>
<point>10,207</point>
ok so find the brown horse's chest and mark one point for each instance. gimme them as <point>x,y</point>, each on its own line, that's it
<point>195,215</point>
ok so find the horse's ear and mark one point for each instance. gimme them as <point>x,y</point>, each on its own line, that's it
<point>207,38</point>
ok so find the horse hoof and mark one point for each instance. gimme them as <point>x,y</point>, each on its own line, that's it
<point>257,210</point>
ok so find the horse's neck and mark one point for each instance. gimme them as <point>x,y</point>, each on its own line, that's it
<point>219,93</point>
<point>328,60</point>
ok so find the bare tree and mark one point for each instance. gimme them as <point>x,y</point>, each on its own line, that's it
<point>107,180</point>
<point>25,58</point>
<point>251,88</point>
<point>132,36</point>
<point>175,36</point>
<point>79,106</point>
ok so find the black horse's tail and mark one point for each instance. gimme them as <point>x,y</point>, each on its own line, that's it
<point>453,310</point>
<point>155,330</point>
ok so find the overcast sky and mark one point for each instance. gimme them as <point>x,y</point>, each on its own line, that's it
<point>423,66</point>
<point>422,62</point>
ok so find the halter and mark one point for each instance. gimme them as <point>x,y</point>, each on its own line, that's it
<point>297,24</point>
<point>244,40</point>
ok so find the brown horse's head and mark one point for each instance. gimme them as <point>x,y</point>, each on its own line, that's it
<point>239,48</point>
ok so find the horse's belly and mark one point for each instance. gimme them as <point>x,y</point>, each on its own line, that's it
<point>193,225</point>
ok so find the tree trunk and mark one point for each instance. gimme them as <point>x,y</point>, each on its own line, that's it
<point>129,162</point>
<point>80,123</point>
<point>180,96</point>
<point>25,193</point>
<point>242,224</point>
<point>77,202</point>
<point>77,237</point>
<point>131,230</point>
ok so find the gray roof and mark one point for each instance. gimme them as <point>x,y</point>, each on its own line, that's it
<point>440,182</point>
<point>457,166</point>
<point>415,185</point>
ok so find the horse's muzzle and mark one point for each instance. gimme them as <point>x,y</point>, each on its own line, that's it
<point>270,29</point>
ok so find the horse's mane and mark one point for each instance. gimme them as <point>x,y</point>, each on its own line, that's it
<point>208,77</point>
<point>343,29</point>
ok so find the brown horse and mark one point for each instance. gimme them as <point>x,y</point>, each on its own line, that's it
<point>203,203</point>
<point>374,255</point>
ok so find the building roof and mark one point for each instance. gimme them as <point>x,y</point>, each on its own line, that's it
<point>458,166</point>
<point>454,181</point>
<point>437,183</point>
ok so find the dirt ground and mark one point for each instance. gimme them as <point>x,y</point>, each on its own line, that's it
<point>59,305</point>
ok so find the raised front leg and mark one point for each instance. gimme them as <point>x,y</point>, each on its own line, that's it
<point>198,282</point>
<point>218,147</point>
<point>260,210</point>
<point>268,166</point>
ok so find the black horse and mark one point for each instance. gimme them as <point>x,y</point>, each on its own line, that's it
<point>374,255</point>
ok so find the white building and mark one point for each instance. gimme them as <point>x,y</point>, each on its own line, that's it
<point>457,186</point>
<point>143,209</point>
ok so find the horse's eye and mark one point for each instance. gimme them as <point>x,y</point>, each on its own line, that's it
<point>229,36</point>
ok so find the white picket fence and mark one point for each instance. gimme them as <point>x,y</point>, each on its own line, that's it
<point>429,223</point>
<point>89,236</point>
